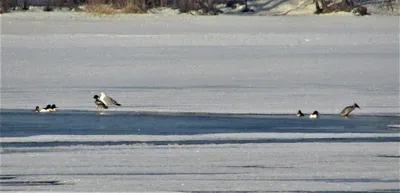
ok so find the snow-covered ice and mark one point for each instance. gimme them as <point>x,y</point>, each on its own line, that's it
<point>247,70</point>
<point>227,64</point>
<point>280,167</point>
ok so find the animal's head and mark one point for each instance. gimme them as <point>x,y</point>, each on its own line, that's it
<point>96,96</point>
<point>355,104</point>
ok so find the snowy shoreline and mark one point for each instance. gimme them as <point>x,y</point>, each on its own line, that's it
<point>258,7</point>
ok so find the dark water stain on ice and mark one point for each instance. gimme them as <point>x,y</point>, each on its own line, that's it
<point>390,156</point>
<point>31,183</point>
<point>14,181</point>
<point>6,177</point>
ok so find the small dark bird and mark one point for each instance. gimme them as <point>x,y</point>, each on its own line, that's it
<point>36,109</point>
<point>103,101</point>
<point>314,115</point>
<point>347,110</point>
<point>300,114</point>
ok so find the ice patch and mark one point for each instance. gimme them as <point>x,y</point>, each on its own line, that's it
<point>393,126</point>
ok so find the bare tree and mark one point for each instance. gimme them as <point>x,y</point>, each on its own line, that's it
<point>3,6</point>
<point>25,5</point>
<point>388,4</point>
<point>208,7</point>
<point>246,7</point>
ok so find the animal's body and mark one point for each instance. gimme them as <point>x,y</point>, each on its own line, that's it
<point>347,110</point>
<point>300,114</point>
<point>44,110</point>
<point>314,115</point>
<point>103,101</point>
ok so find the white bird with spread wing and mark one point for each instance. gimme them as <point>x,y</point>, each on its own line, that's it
<point>103,101</point>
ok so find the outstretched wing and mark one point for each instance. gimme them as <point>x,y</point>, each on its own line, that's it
<point>108,100</point>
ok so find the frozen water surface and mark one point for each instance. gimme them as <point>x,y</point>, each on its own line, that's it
<point>202,64</point>
<point>208,103</point>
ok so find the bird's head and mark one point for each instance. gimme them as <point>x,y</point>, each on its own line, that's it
<point>355,104</point>
<point>96,96</point>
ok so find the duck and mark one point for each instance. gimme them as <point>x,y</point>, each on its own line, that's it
<point>314,115</point>
<point>103,101</point>
<point>347,110</point>
<point>37,109</point>
<point>44,110</point>
<point>300,114</point>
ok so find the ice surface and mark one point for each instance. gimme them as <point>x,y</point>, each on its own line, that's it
<point>201,64</point>
<point>281,167</point>
<point>154,65</point>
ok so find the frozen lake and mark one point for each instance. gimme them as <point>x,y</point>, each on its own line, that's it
<point>226,64</point>
<point>208,103</point>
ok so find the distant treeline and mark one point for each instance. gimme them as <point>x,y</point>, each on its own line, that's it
<point>204,7</point>
<point>184,6</point>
